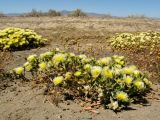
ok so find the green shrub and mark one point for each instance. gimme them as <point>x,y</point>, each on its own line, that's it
<point>107,80</point>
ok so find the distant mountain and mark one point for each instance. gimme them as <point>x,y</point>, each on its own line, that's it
<point>14,14</point>
<point>65,12</point>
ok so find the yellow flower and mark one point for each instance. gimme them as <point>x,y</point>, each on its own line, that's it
<point>46,54</point>
<point>119,81</point>
<point>139,85</point>
<point>58,80</point>
<point>129,70</point>
<point>78,73</point>
<point>107,73</point>
<point>128,80</point>
<point>42,66</point>
<point>85,60</point>
<point>122,96</point>
<point>147,82</point>
<point>117,71</point>
<point>87,67</point>
<point>104,61</point>
<point>31,58</point>
<point>136,73</point>
<point>82,56</point>
<point>68,76</point>
<point>19,70</point>
<point>57,58</point>
<point>96,71</point>
<point>28,66</point>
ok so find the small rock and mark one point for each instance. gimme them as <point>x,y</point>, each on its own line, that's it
<point>88,108</point>
<point>95,111</point>
<point>89,118</point>
<point>68,103</point>
<point>60,116</point>
<point>82,104</point>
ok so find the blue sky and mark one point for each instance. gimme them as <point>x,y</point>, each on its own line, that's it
<point>114,7</point>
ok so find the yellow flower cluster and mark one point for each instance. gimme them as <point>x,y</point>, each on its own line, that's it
<point>108,77</point>
<point>136,41</point>
<point>14,38</point>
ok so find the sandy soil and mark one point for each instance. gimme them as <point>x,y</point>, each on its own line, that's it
<point>21,100</point>
<point>26,101</point>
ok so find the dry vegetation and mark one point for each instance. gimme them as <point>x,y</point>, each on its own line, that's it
<point>77,13</point>
<point>35,13</point>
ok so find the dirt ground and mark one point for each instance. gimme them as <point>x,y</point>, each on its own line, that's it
<point>25,100</point>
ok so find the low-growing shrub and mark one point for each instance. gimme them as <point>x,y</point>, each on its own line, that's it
<point>136,41</point>
<point>2,14</point>
<point>144,44</point>
<point>107,80</point>
<point>53,13</point>
<point>17,38</point>
<point>35,13</point>
<point>77,13</point>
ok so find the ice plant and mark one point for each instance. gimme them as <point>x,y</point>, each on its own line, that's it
<point>128,80</point>
<point>58,80</point>
<point>31,58</point>
<point>147,82</point>
<point>96,71</point>
<point>17,38</point>
<point>107,73</point>
<point>68,76</point>
<point>107,80</point>
<point>104,61</point>
<point>42,66</point>
<point>136,41</point>
<point>46,55</point>
<point>87,67</point>
<point>82,56</point>
<point>19,70</point>
<point>78,73</point>
<point>113,105</point>
<point>129,70</point>
<point>57,58</point>
<point>139,84</point>
<point>122,96</point>
<point>28,66</point>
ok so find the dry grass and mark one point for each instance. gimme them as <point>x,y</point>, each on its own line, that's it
<point>108,24</point>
